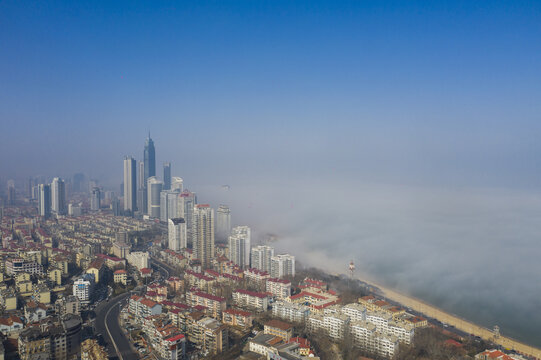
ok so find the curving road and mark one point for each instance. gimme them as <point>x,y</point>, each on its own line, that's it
<point>107,324</point>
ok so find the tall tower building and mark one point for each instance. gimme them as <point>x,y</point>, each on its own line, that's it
<point>239,246</point>
<point>29,186</point>
<point>282,265</point>
<point>187,202</point>
<point>58,196</point>
<point>149,158</point>
<point>177,234</point>
<point>141,182</point>
<point>130,182</point>
<point>44,200</point>
<point>223,223</point>
<point>177,183</point>
<point>203,244</point>
<point>141,188</point>
<point>78,182</point>
<point>154,188</point>
<point>11,192</point>
<point>261,257</point>
<point>95,199</point>
<point>167,176</point>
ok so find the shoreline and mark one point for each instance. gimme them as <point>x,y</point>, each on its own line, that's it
<point>454,320</point>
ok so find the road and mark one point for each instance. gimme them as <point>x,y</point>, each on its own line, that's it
<point>164,268</point>
<point>457,322</point>
<point>107,324</point>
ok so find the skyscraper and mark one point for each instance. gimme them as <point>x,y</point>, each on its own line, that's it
<point>141,188</point>
<point>187,202</point>
<point>239,246</point>
<point>223,223</point>
<point>141,181</point>
<point>149,158</point>
<point>11,192</point>
<point>78,182</point>
<point>170,205</point>
<point>177,234</point>
<point>58,196</point>
<point>203,245</point>
<point>154,188</point>
<point>95,199</point>
<point>130,181</point>
<point>167,176</point>
<point>261,257</point>
<point>44,200</point>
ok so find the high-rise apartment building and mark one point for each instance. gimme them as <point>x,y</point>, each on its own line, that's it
<point>261,257</point>
<point>203,241</point>
<point>141,188</point>
<point>154,188</point>
<point>170,205</point>
<point>177,183</point>
<point>130,182</point>
<point>167,176</point>
<point>78,183</point>
<point>141,182</point>
<point>44,200</point>
<point>239,246</point>
<point>177,234</point>
<point>282,265</point>
<point>11,192</point>
<point>223,223</point>
<point>188,201</point>
<point>95,199</point>
<point>58,196</point>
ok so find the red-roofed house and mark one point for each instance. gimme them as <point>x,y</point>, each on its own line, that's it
<point>236,317</point>
<point>146,272</point>
<point>142,307</point>
<point>496,355</point>
<point>121,276</point>
<point>304,345</point>
<point>214,304</point>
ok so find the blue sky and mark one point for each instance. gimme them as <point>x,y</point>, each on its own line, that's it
<point>410,89</point>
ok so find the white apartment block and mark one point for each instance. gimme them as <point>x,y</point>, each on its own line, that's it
<point>82,288</point>
<point>261,257</point>
<point>281,289</point>
<point>239,246</point>
<point>404,332</point>
<point>142,307</point>
<point>291,312</point>
<point>355,311</point>
<point>282,265</point>
<point>251,300</point>
<point>380,319</point>
<point>335,325</point>
<point>178,238</point>
<point>139,259</point>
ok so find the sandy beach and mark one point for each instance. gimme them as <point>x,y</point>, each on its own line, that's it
<point>459,323</point>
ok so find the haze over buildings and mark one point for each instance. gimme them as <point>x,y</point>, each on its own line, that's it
<point>402,136</point>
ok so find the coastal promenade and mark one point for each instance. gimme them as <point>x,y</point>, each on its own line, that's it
<point>457,322</point>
